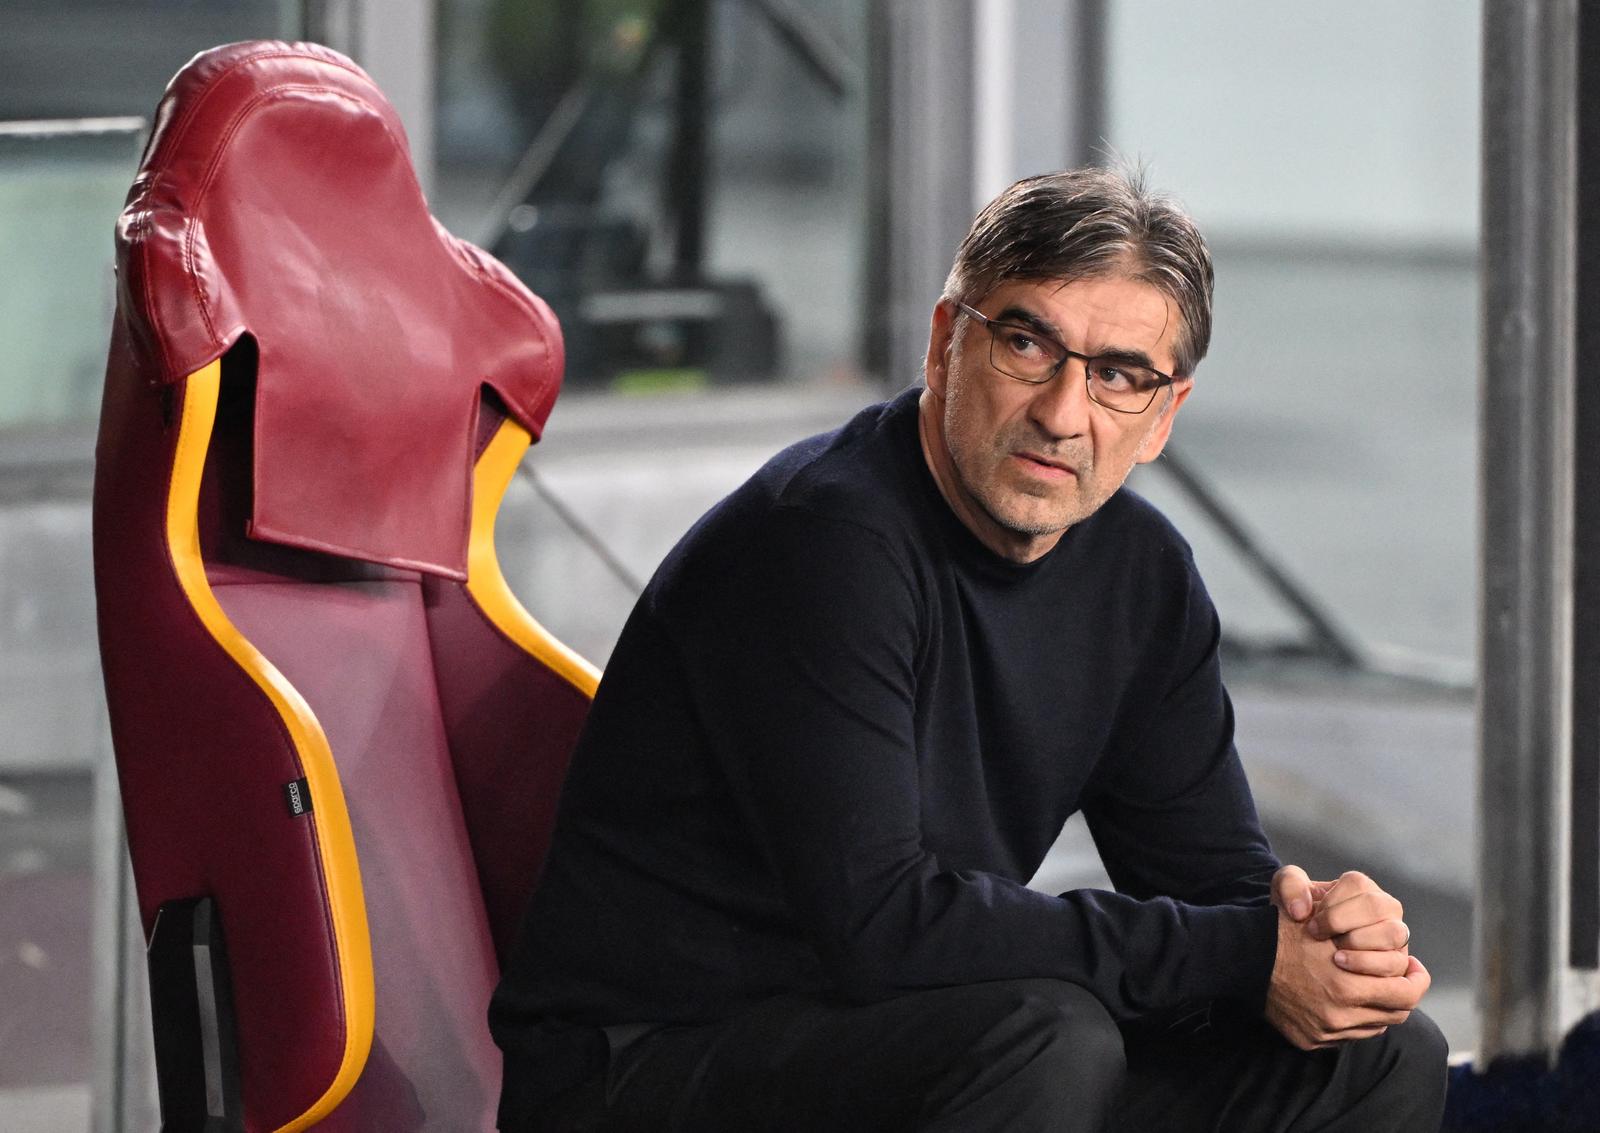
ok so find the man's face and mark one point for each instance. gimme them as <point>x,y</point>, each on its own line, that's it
<point>1021,463</point>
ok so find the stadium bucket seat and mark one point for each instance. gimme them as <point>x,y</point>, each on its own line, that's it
<point>338,734</point>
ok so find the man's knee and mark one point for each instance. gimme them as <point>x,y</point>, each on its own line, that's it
<point>1053,1035</point>
<point>1033,1054</point>
<point>1078,1024</point>
<point>1406,1067</point>
<point>1420,1052</point>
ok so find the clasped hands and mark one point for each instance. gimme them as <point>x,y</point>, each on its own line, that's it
<point>1344,969</point>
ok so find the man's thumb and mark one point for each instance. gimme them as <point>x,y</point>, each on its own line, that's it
<point>1292,892</point>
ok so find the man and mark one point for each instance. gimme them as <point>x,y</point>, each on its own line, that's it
<point>851,713</point>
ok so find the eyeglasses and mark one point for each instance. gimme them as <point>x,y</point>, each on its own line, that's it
<point>1023,353</point>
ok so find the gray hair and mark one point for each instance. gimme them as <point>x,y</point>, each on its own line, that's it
<point>1087,223</point>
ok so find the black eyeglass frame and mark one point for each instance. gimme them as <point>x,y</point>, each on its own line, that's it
<point>1088,360</point>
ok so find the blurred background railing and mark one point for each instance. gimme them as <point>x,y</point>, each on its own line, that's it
<point>743,211</point>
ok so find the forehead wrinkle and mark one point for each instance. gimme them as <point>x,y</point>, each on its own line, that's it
<point>1017,310</point>
<point>1108,272</point>
<point>1138,354</point>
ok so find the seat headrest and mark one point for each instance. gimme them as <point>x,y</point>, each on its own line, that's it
<point>276,198</point>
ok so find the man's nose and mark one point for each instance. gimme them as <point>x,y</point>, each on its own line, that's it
<point>1061,406</point>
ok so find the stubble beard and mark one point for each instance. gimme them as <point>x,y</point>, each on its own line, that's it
<point>1079,500</point>
<point>1009,506</point>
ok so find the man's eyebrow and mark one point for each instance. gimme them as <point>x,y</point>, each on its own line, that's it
<point>1131,357</point>
<point>1028,319</point>
<point>1129,354</point>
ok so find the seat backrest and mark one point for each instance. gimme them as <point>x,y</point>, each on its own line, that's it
<point>339,735</point>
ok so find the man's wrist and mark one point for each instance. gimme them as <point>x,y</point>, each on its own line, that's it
<point>1234,948</point>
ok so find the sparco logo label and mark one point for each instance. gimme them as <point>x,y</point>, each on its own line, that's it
<point>298,796</point>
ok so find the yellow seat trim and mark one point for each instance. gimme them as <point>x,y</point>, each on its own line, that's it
<point>347,909</point>
<point>485,582</point>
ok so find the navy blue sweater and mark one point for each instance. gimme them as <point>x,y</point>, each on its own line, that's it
<point>838,736</point>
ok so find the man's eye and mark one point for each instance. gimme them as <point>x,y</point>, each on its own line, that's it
<point>1114,377</point>
<point>1021,344</point>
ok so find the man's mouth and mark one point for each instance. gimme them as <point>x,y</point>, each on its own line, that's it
<point>1042,465</point>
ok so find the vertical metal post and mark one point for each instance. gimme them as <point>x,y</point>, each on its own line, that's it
<point>1533,485</point>
<point>1039,88</point>
<point>1583,893</point>
<point>996,101</point>
<point>687,170</point>
<point>123,1084</point>
<point>1085,62</point>
<point>394,41</point>
<point>108,976</point>
<point>964,99</point>
<point>878,322</point>
<point>332,23</point>
<point>923,134</point>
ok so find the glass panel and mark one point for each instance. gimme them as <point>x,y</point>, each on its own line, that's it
<point>1330,153</point>
<point>61,187</point>
<point>683,180</point>
<point>1331,157</point>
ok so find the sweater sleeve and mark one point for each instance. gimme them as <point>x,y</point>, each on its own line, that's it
<point>1174,813</point>
<point>806,684</point>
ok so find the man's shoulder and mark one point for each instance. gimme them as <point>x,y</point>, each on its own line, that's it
<point>862,474</point>
<point>842,492</point>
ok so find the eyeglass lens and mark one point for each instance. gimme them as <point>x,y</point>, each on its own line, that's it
<point>1019,353</point>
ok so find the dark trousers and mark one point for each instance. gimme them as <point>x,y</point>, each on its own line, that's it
<point>1011,1056</point>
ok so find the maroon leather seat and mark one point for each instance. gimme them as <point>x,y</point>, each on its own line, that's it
<point>339,736</point>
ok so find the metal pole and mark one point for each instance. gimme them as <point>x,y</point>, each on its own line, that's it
<point>1583,939</point>
<point>687,169</point>
<point>955,117</point>
<point>394,41</point>
<point>1088,22</point>
<point>1038,89</point>
<point>924,138</point>
<point>108,976</point>
<point>332,23</point>
<point>1526,442</point>
<point>396,47</point>
<point>995,97</point>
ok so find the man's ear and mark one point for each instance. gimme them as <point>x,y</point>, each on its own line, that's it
<point>1157,440</point>
<point>941,334</point>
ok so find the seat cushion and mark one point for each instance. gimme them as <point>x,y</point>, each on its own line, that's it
<point>359,654</point>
